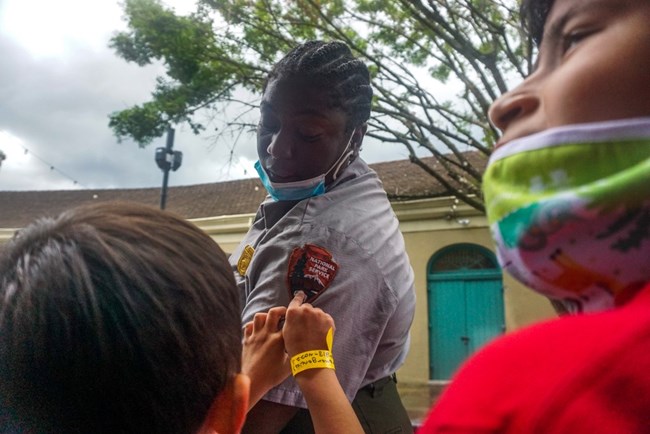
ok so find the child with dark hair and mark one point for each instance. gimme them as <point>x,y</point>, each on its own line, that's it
<point>327,228</point>
<point>119,318</point>
<point>568,198</point>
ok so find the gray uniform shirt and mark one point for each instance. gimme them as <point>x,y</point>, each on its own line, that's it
<point>370,296</point>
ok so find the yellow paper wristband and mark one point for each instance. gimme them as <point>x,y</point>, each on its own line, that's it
<point>315,358</point>
<point>311,360</point>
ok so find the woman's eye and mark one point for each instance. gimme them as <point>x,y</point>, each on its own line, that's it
<point>309,137</point>
<point>263,128</point>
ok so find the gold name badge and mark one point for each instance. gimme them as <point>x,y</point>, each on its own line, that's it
<point>245,259</point>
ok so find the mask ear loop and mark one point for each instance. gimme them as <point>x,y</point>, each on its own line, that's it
<point>343,158</point>
<point>340,164</point>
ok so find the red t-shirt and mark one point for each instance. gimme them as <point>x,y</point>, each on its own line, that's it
<point>581,374</point>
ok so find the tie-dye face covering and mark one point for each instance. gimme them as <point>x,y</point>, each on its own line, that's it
<point>569,210</point>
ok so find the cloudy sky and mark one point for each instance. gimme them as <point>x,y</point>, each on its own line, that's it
<point>59,81</point>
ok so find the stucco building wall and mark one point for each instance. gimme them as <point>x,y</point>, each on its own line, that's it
<point>423,239</point>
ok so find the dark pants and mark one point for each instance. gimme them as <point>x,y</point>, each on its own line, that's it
<point>377,405</point>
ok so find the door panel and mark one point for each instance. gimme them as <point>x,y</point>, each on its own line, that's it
<point>484,311</point>
<point>465,312</point>
<point>446,328</point>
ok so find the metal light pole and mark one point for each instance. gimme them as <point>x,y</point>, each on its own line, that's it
<point>166,159</point>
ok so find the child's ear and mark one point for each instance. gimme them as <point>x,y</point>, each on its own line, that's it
<point>228,411</point>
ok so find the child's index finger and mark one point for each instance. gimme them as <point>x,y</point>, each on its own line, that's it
<point>298,299</point>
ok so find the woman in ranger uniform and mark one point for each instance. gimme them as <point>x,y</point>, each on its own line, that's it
<point>327,228</point>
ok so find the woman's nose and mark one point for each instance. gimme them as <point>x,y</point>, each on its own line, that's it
<point>280,146</point>
<point>511,106</point>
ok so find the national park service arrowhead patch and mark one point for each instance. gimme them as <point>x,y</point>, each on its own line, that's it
<point>311,269</point>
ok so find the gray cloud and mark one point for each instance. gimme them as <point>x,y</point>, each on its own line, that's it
<point>59,107</point>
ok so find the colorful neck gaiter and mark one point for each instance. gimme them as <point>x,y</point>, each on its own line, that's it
<point>569,210</point>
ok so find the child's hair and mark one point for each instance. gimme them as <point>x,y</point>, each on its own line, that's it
<point>331,66</point>
<point>533,17</point>
<point>114,318</point>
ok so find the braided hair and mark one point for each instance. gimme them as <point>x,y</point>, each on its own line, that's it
<point>331,66</point>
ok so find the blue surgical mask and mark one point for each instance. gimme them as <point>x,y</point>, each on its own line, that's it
<point>303,189</point>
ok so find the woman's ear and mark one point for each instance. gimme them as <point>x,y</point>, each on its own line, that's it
<point>228,411</point>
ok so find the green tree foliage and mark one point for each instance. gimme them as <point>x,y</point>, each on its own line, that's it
<point>436,66</point>
<point>2,157</point>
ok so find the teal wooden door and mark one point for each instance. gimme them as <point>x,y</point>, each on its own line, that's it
<point>465,296</point>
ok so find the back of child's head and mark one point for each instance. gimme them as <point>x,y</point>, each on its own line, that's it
<point>330,66</point>
<point>114,318</point>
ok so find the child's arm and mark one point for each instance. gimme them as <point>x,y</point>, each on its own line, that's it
<point>264,359</point>
<point>305,329</point>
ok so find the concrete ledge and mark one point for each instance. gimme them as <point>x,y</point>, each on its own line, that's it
<point>418,397</point>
